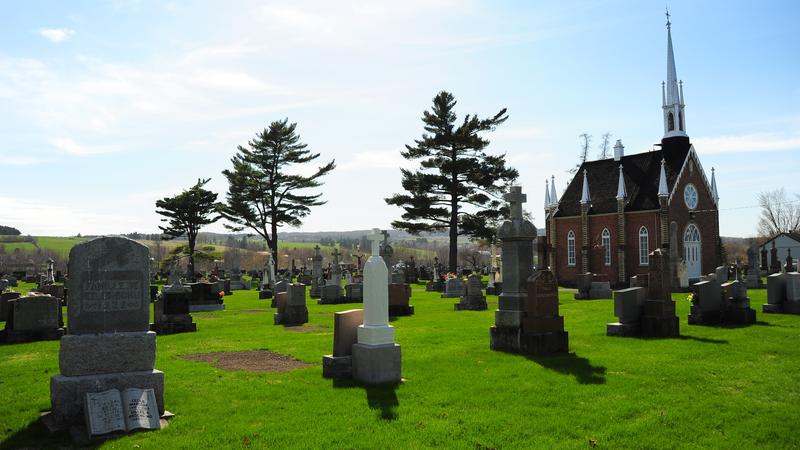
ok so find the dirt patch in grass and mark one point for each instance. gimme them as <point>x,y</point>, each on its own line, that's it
<point>205,316</point>
<point>305,328</point>
<point>250,360</point>
<point>254,311</point>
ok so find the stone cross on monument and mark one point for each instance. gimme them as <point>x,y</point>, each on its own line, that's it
<point>515,199</point>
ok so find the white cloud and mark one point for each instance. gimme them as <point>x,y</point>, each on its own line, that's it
<point>56,35</point>
<point>387,159</point>
<point>746,143</point>
<point>64,221</point>
<point>6,160</point>
<point>67,145</point>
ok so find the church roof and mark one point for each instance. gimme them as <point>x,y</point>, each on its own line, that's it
<point>641,172</point>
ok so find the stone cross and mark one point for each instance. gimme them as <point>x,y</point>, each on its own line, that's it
<point>375,239</point>
<point>515,199</point>
<point>336,256</point>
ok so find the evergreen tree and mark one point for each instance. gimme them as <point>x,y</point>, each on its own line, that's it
<point>263,194</point>
<point>458,186</point>
<point>186,213</point>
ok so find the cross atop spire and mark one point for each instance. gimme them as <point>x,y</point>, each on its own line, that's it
<point>375,239</point>
<point>672,93</point>
<point>669,24</point>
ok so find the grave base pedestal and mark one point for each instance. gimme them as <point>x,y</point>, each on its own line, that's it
<point>514,340</point>
<point>206,307</point>
<point>331,301</point>
<point>401,310</point>
<point>622,329</point>
<point>658,327</point>
<point>782,308</point>
<point>67,393</point>
<point>173,327</point>
<point>337,366</point>
<point>471,306</point>
<point>739,316</point>
<point>376,364</point>
<point>700,317</point>
<point>293,315</point>
<point>264,294</point>
<point>16,337</point>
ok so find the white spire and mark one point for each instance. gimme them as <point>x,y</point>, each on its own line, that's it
<point>672,94</point>
<point>585,193</point>
<point>714,188</point>
<point>547,201</point>
<point>553,196</point>
<point>662,182</point>
<point>621,193</point>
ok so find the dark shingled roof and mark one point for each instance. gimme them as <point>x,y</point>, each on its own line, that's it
<point>642,172</point>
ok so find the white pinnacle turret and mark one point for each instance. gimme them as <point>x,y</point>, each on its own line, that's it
<point>662,181</point>
<point>714,188</point>
<point>585,192</point>
<point>621,193</point>
<point>547,201</point>
<point>553,196</point>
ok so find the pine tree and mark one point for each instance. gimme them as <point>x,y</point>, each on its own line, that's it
<point>458,186</point>
<point>263,194</point>
<point>186,213</point>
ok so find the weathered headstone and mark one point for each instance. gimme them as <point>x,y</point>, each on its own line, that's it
<point>345,334</point>
<point>658,318</point>
<point>628,305</point>
<point>776,293</point>
<point>292,309</point>
<point>4,305</point>
<point>376,357</point>
<point>34,317</point>
<point>280,286</point>
<point>331,294</point>
<point>639,281</point>
<point>542,328</point>
<point>171,311</point>
<point>354,292</point>
<point>683,275</point>
<point>584,284</point>
<point>398,277</point>
<point>707,303</point>
<point>721,274</point>
<point>108,344</point>
<point>753,272</point>
<point>453,288</point>
<point>204,297</point>
<point>473,298</point>
<point>517,237</point>
<point>317,281</point>
<point>737,309</point>
<point>399,296</point>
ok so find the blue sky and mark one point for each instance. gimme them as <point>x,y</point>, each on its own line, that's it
<point>107,106</point>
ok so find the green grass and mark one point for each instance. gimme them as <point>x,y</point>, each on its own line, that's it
<point>713,387</point>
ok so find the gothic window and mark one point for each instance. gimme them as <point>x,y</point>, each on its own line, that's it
<point>571,248</point>
<point>670,122</point>
<point>680,120</point>
<point>606,239</point>
<point>644,247</point>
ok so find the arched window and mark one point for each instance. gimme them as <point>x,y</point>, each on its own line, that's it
<point>680,120</point>
<point>670,122</point>
<point>571,248</point>
<point>606,240</point>
<point>644,247</point>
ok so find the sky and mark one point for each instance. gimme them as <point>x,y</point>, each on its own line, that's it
<point>107,106</point>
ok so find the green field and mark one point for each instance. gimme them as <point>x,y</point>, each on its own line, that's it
<point>710,388</point>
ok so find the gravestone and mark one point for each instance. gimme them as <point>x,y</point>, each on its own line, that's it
<point>737,309</point>
<point>292,309</point>
<point>280,286</point>
<point>721,274</point>
<point>376,357</point>
<point>764,264</point>
<point>331,294</point>
<point>517,237</point>
<point>171,311</point>
<point>639,281</point>
<point>398,277</point>
<point>707,303</point>
<point>789,267</point>
<point>399,295</point>
<point>5,297</point>
<point>542,328</point>
<point>204,297</point>
<point>658,318</point>
<point>683,275</point>
<point>108,344</point>
<point>583,282</point>
<point>354,292</point>
<point>317,281</point>
<point>753,272</point>
<point>345,334</point>
<point>774,262</point>
<point>473,298</point>
<point>453,288</point>
<point>34,317</point>
<point>776,293</point>
<point>3,285</point>
<point>628,306</point>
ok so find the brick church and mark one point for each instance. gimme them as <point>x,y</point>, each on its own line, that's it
<point>616,211</point>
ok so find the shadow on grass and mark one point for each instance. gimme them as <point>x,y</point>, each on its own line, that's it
<point>571,364</point>
<point>35,435</point>
<point>381,397</point>
<point>685,337</point>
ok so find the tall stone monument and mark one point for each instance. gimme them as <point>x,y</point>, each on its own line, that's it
<point>753,272</point>
<point>517,237</point>
<point>317,280</point>
<point>107,345</point>
<point>376,357</point>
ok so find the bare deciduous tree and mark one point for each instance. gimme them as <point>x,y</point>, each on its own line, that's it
<point>778,213</point>
<point>605,146</point>
<point>584,154</point>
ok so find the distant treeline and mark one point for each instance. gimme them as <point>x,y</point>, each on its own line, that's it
<point>9,231</point>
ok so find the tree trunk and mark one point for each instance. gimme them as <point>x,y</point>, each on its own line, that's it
<point>191,258</point>
<point>274,247</point>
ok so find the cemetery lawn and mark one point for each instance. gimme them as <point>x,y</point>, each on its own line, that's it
<point>710,388</point>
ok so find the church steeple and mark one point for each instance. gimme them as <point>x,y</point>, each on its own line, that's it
<point>672,94</point>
